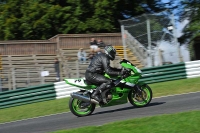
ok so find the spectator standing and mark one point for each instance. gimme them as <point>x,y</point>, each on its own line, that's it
<point>93,44</point>
<point>81,55</point>
<point>100,43</point>
<point>57,69</point>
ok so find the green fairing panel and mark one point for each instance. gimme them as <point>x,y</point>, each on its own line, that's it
<point>132,79</point>
<point>127,65</point>
<point>79,83</point>
<point>119,96</point>
<point>134,72</point>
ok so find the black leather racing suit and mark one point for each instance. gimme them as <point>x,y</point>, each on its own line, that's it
<point>99,65</point>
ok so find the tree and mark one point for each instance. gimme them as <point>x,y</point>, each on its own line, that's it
<point>43,19</point>
<point>190,10</point>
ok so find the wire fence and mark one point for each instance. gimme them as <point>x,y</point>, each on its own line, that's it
<point>150,31</point>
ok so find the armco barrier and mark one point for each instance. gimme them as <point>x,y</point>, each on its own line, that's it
<point>27,95</point>
<point>61,89</point>
<point>163,73</point>
<point>171,72</point>
<point>35,94</point>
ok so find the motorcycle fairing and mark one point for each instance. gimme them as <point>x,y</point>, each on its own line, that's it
<point>80,82</point>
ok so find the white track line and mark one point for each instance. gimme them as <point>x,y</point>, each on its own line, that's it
<point>33,118</point>
<point>176,94</point>
<point>69,111</point>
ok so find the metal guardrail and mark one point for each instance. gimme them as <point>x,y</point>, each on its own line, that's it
<point>163,73</point>
<point>171,72</point>
<point>61,89</point>
<point>27,95</point>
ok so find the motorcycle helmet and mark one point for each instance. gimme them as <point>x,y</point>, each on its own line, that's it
<point>110,52</point>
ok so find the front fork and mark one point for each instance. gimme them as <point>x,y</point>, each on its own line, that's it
<point>139,91</point>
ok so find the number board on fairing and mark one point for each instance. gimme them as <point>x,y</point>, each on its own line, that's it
<point>79,82</point>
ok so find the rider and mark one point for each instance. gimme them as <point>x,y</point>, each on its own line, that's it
<point>99,65</point>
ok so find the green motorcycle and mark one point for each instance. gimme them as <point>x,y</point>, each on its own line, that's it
<point>125,89</point>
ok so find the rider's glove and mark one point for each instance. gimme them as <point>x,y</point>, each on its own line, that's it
<point>124,73</point>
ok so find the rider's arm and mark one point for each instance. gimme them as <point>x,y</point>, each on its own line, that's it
<point>109,70</point>
<point>115,69</point>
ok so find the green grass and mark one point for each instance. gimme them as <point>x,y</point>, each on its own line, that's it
<point>61,105</point>
<point>34,110</point>
<point>186,122</point>
<point>175,87</point>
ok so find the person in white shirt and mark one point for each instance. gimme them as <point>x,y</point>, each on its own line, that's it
<point>93,44</point>
<point>82,55</point>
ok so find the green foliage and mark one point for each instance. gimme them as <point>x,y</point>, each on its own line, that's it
<point>191,12</point>
<point>43,19</point>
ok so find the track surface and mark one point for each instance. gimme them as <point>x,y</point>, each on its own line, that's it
<point>163,105</point>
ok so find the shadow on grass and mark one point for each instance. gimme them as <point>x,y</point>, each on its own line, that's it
<point>127,108</point>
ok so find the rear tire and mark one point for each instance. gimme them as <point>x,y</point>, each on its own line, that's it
<point>75,106</point>
<point>138,101</point>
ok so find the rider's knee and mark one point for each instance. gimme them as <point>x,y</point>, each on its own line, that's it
<point>109,84</point>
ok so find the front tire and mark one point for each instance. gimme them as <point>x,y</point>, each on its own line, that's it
<point>140,101</point>
<point>77,108</point>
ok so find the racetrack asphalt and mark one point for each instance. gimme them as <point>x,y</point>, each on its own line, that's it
<point>158,106</point>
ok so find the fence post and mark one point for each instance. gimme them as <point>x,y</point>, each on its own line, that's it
<point>149,43</point>
<point>160,54</point>
<point>41,77</point>
<point>77,69</point>
<point>28,78</point>
<point>123,41</point>
<point>13,78</point>
<point>9,81</point>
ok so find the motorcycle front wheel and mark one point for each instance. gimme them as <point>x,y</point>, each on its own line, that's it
<point>140,100</point>
<point>81,108</point>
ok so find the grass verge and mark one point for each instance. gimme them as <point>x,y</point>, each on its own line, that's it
<point>61,105</point>
<point>186,122</point>
<point>175,87</point>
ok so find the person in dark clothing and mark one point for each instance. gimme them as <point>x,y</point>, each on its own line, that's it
<point>96,69</point>
<point>93,44</point>
<point>57,69</point>
<point>100,43</point>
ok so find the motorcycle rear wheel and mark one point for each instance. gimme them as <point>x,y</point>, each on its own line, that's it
<point>140,101</point>
<point>77,107</point>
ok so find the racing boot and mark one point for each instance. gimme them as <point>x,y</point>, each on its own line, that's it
<point>98,91</point>
<point>95,95</point>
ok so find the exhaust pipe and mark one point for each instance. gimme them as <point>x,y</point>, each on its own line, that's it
<point>83,98</point>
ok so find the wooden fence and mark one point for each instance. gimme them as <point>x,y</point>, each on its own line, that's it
<point>27,47</point>
<point>21,71</point>
<point>61,41</point>
<point>23,60</point>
